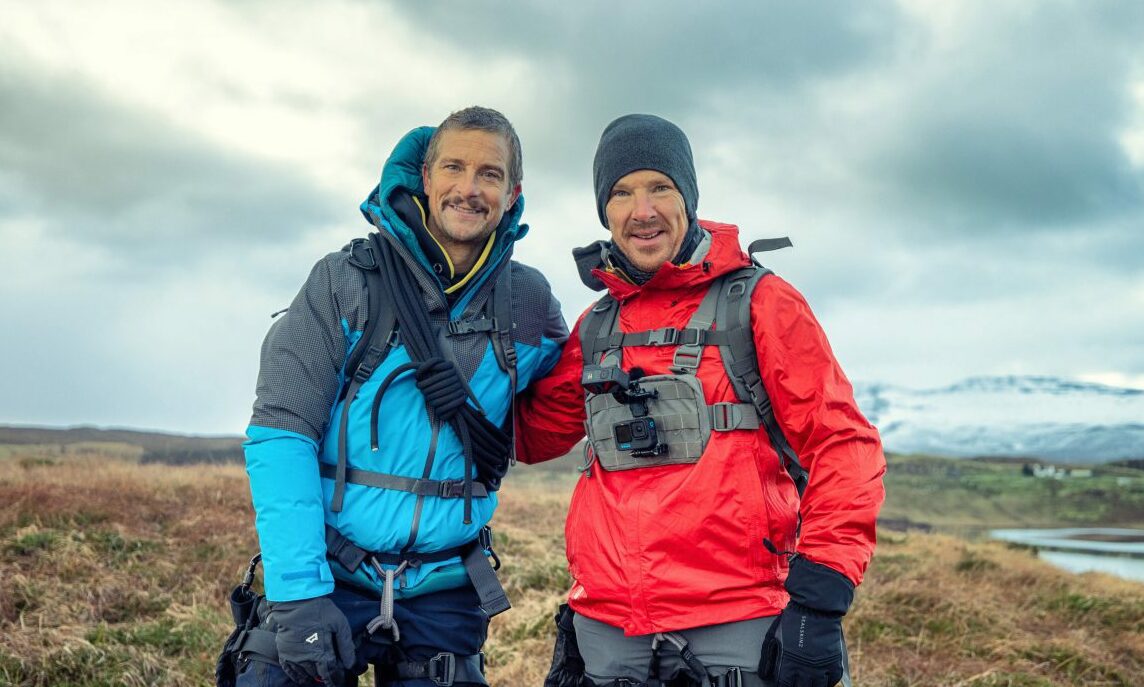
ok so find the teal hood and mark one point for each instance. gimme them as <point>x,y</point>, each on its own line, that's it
<point>402,174</point>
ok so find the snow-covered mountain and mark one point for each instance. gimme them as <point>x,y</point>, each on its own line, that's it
<point>1043,417</point>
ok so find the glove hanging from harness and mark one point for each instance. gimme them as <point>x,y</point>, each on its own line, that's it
<point>484,445</point>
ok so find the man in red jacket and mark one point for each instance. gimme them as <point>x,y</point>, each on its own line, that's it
<point>694,560</point>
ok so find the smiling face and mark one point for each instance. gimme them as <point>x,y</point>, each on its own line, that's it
<point>469,191</point>
<point>647,218</point>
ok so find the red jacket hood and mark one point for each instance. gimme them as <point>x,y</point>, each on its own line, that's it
<point>725,255</point>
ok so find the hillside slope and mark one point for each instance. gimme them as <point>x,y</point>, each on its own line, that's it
<point>116,573</point>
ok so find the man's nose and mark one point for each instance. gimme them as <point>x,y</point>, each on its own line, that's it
<point>467,186</point>
<point>644,211</point>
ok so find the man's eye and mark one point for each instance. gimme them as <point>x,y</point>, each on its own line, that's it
<point>618,194</point>
<point>451,166</point>
<point>663,188</point>
<point>492,175</point>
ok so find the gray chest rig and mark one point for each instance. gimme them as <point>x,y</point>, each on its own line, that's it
<point>636,421</point>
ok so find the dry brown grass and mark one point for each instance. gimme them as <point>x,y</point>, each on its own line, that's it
<point>113,573</point>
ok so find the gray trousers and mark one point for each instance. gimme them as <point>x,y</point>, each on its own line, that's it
<point>609,655</point>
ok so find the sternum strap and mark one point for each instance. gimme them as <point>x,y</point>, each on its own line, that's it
<point>446,489</point>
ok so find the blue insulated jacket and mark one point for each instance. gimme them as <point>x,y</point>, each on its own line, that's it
<point>293,427</point>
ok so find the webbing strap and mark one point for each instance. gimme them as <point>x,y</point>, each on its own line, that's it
<point>350,555</point>
<point>741,362</point>
<point>446,489</point>
<point>482,574</point>
<point>493,598</point>
<point>375,343</point>
<point>443,670</point>
<point>257,643</point>
<point>379,335</point>
<point>504,348</point>
<point>665,336</point>
<point>726,417</point>
<point>601,318</point>
<point>687,356</point>
<point>765,245</point>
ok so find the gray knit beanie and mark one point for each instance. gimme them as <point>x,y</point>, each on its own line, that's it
<point>640,141</point>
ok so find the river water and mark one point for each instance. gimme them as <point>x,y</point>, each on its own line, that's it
<point>1082,549</point>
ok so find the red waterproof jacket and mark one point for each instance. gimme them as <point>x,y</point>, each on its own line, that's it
<point>680,546</point>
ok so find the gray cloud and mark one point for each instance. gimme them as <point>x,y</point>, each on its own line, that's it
<point>695,63</point>
<point>951,177</point>
<point>134,185</point>
<point>1007,124</point>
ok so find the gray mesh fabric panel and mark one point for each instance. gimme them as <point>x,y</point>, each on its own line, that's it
<point>305,349</point>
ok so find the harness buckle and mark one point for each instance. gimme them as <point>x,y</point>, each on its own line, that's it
<point>367,365</point>
<point>447,489</point>
<point>759,397</point>
<point>663,337</point>
<point>442,668</point>
<point>691,336</point>
<point>686,359</point>
<point>725,417</point>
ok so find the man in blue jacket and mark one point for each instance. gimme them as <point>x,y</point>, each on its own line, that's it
<point>374,453</point>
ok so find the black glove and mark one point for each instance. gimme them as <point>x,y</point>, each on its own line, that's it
<point>567,665</point>
<point>441,383</point>
<point>803,649</point>
<point>314,641</point>
<point>804,645</point>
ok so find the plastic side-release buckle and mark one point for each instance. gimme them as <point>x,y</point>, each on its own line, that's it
<point>459,327</point>
<point>447,489</point>
<point>663,337</point>
<point>442,668</point>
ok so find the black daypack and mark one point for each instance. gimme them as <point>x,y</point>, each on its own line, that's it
<point>598,332</point>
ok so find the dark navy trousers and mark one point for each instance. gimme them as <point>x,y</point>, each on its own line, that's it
<point>450,620</point>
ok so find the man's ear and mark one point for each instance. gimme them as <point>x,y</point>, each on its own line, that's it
<point>424,176</point>
<point>515,195</point>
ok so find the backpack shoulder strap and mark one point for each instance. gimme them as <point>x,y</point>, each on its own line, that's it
<point>733,314</point>
<point>377,338</point>
<point>504,348</point>
<point>596,325</point>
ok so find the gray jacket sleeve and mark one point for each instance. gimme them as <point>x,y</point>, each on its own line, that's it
<point>305,350</point>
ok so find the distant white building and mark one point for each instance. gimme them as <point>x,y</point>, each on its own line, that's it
<point>1055,471</point>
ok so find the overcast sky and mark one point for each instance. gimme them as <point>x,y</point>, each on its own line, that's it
<point>963,182</point>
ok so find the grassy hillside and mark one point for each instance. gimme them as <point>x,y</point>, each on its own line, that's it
<point>115,573</point>
<point>968,496</point>
<point>149,447</point>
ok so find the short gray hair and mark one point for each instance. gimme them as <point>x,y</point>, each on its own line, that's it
<point>481,119</point>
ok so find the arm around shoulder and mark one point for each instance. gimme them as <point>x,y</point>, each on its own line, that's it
<point>550,413</point>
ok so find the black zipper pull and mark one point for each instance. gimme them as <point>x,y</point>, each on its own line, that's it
<point>770,546</point>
